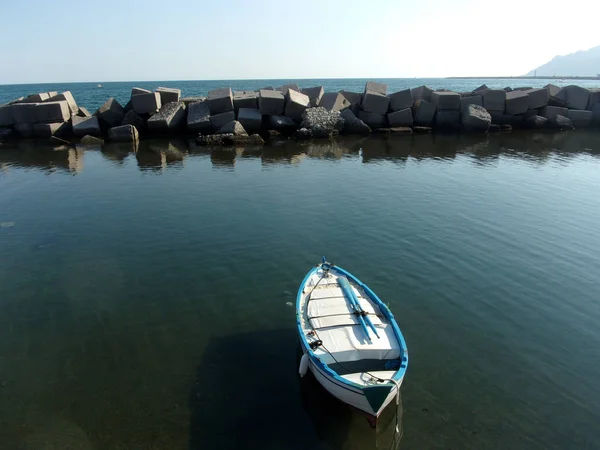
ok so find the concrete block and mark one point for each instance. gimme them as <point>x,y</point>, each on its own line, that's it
<point>354,98</point>
<point>481,88</point>
<point>6,116</point>
<point>146,103</point>
<point>334,101</point>
<point>517,102</point>
<point>110,114</point>
<point>423,113</point>
<point>270,103</point>
<point>198,117</point>
<point>286,87</point>
<point>5,134</point>
<point>52,93</point>
<point>36,98</point>
<point>251,119</point>
<point>314,94</point>
<point>23,113</point>
<point>168,95</point>
<point>494,99</point>
<point>447,118</point>
<point>373,120</point>
<point>91,140</point>
<point>296,103</point>
<point>25,130</point>
<point>596,114</point>
<point>372,86</point>
<point>501,118</point>
<point>594,98</point>
<point>282,123</point>
<point>266,88</point>
<point>421,93</point>
<point>580,118</point>
<point>220,101</point>
<point>536,121</point>
<point>353,125</point>
<point>52,111</point>
<point>550,112</point>
<point>401,118</point>
<point>576,97</point>
<point>86,125</point>
<point>375,102</point>
<point>47,130</point>
<point>401,100</point>
<point>194,99</point>
<point>218,120</point>
<point>558,97</point>
<point>446,100</point>
<point>475,118</point>
<point>138,91</point>
<point>538,98</point>
<point>245,99</point>
<point>83,112</point>
<point>133,118</point>
<point>123,133</point>
<point>234,128</point>
<point>472,100</point>
<point>68,97</point>
<point>172,116</point>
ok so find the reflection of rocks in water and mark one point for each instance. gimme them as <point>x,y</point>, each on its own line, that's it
<point>285,154</point>
<point>118,151</point>
<point>161,154</point>
<point>324,149</point>
<point>42,155</point>
<point>58,434</point>
<point>224,158</point>
<point>395,149</point>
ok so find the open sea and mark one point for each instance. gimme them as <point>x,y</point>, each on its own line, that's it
<point>145,293</point>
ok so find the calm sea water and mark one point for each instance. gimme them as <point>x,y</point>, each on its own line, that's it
<point>90,96</point>
<point>145,297</point>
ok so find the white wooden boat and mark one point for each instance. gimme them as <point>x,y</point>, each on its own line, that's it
<point>350,340</point>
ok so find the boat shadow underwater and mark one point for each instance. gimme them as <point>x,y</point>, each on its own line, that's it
<point>247,394</point>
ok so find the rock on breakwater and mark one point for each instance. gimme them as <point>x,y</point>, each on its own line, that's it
<point>306,113</point>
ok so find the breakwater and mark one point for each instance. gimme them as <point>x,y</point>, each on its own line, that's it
<point>253,117</point>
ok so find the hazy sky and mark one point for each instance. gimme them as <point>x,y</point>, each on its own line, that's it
<point>107,40</point>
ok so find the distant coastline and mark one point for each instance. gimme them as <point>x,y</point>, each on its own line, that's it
<point>525,78</point>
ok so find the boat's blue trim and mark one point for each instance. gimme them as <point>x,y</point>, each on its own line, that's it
<point>324,368</point>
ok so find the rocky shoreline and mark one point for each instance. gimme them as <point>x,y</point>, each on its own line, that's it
<point>227,117</point>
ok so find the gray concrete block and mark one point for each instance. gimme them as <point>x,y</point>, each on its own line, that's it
<point>123,133</point>
<point>596,114</point>
<point>286,87</point>
<point>314,94</point>
<point>334,101</point>
<point>198,117</point>
<point>353,97</point>
<point>295,104</point>
<point>47,130</point>
<point>146,103</point>
<point>245,99</point>
<point>218,120</point>
<point>576,97</point>
<point>536,121</point>
<point>401,118</point>
<point>517,102</point>
<point>594,98</point>
<point>6,117</point>
<point>472,100</point>
<point>447,119</point>
<point>170,117</point>
<point>475,118</point>
<point>168,95</point>
<point>373,86</point>
<point>550,112</point>
<point>193,99</point>
<point>401,100</point>
<point>86,125</point>
<point>24,113</point>
<point>423,113</point>
<point>494,99</point>
<point>110,114</point>
<point>352,124</point>
<point>5,134</point>
<point>373,120</point>
<point>83,112</point>
<point>538,98</point>
<point>421,93</point>
<point>133,118</point>
<point>68,97</point>
<point>270,103</point>
<point>36,98</point>
<point>375,102</point>
<point>52,93</point>
<point>25,130</point>
<point>282,123</point>
<point>481,88</point>
<point>234,128</point>
<point>138,91</point>
<point>580,118</point>
<point>52,111</point>
<point>220,101</point>
<point>446,100</point>
<point>266,88</point>
<point>251,119</point>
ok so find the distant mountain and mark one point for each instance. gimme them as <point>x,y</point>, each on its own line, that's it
<point>579,64</point>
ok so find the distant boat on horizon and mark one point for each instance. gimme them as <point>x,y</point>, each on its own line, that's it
<point>99,86</point>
